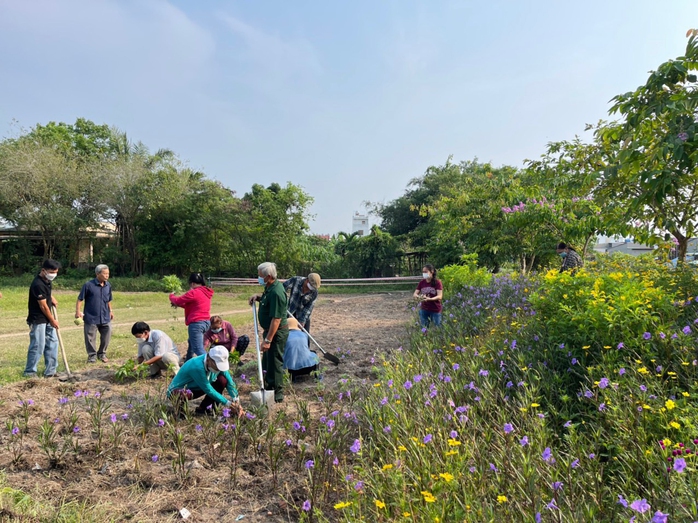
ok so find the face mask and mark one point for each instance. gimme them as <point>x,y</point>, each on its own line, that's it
<point>563,255</point>
<point>51,276</point>
<point>216,330</point>
<point>311,288</point>
<point>425,275</point>
<point>260,280</point>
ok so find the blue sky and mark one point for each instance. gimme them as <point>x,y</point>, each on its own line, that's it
<point>350,100</point>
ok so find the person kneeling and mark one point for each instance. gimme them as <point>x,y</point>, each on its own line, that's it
<point>155,349</point>
<point>206,375</point>
<point>299,360</point>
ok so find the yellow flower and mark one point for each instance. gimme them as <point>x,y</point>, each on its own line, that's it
<point>446,476</point>
<point>685,394</point>
<point>379,503</point>
<point>501,499</point>
<point>387,466</point>
<point>428,496</point>
<point>586,347</point>
<point>643,370</point>
<point>402,448</point>
<point>674,425</point>
<point>670,404</point>
<point>606,346</point>
<point>666,442</point>
<point>406,514</point>
<point>648,452</point>
<point>341,505</point>
<point>451,453</point>
<point>376,384</point>
<point>647,407</point>
<point>453,442</point>
<point>523,409</point>
<point>534,405</point>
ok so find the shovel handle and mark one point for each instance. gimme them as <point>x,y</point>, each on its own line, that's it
<point>60,341</point>
<point>259,352</point>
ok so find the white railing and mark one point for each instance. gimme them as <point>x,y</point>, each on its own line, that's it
<point>326,282</point>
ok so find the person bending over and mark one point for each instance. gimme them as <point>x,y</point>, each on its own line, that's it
<point>299,360</point>
<point>220,333</point>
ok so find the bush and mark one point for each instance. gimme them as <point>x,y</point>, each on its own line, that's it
<point>466,273</point>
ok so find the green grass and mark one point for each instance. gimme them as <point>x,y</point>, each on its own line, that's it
<point>151,307</point>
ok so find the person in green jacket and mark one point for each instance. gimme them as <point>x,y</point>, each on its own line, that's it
<point>206,375</point>
<point>273,309</point>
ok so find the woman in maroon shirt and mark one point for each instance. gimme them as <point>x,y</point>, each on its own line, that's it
<point>430,292</point>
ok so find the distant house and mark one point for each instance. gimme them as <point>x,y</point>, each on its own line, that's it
<point>624,246</point>
<point>359,224</point>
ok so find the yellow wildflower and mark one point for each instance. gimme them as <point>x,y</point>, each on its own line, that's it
<point>666,442</point>
<point>379,503</point>
<point>451,453</point>
<point>674,425</point>
<point>501,499</point>
<point>428,496</point>
<point>586,347</point>
<point>643,370</point>
<point>387,466</point>
<point>669,404</point>
<point>453,442</point>
<point>402,448</point>
<point>406,514</point>
<point>341,505</point>
<point>446,476</point>
<point>685,394</point>
<point>534,405</point>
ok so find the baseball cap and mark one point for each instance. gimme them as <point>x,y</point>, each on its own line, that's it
<point>314,279</point>
<point>219,354</point>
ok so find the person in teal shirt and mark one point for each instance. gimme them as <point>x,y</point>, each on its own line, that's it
<point>206,375</point>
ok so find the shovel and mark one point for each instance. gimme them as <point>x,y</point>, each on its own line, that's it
<point>60,344</point>
<point>260,397</point>
<point>328,356</point>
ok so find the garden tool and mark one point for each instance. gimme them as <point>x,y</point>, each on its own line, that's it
<point>60,344</point>
<point>328,356</point>
<point>260,397</point>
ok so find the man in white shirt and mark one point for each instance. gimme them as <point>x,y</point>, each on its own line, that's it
<point>155,349</point>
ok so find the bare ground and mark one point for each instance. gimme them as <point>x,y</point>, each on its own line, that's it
<point>131,487</point>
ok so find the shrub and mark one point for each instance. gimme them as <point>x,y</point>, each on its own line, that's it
<point>466,273</point>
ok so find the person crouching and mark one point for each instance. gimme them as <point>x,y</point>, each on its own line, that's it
<point>299,360</point>
<point>206,375</point>
<point>155,349</point>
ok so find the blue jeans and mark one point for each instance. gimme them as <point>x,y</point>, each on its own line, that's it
<point>427,317</point>
<point>42,338</point>
<point>196,338</point>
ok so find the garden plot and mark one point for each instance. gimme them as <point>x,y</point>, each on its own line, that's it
<point>115,453</point>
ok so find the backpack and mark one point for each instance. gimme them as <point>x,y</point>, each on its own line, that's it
<point>241,345</point>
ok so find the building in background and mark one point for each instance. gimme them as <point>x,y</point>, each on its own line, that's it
<point>359,223</point>
<point>613,244</point>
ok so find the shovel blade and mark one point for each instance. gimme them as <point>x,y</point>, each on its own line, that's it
<point>258,400</point>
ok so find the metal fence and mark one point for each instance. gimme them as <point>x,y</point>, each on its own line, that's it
<point>327,282</point>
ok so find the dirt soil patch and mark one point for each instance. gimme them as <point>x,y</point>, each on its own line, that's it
<point>126,484</point>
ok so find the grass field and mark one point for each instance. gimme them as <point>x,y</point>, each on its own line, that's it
<point>129,307</point>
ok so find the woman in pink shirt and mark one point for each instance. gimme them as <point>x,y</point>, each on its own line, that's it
<point>430,292</point>
<point>221,333</point>
<point>197,310</point>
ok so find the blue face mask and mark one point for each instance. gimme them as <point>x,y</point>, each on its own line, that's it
<point>563,255</point>
<point>260,280</point>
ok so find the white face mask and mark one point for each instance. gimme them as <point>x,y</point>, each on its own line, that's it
<point>310,287</point>
<point>216,330</point>
<point>425,275</point>
<point>50,276</point>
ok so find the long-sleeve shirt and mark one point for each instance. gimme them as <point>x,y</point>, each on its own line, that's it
<point>571,262</point>
<point>193,375</point>
<point>196,303</point>
<point>299,304</point>
<point>226,337</point>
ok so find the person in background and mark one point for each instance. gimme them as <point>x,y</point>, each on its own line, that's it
<point>299,360</point>
<point>430,292</point>
<point>97,313</point>
<point>571,261</point>
<point>303,293</point>
<point>206,375</point>
<point>42,325</point>
<point>222,333</point>
<point>155,349</point>
<point>273,311</point>
<point>197,310</point>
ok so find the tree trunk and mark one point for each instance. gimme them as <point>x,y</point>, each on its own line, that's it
<point>683,245</point>
<point>586,244</point>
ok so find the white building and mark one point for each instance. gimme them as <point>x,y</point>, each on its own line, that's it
<point>359,223</point>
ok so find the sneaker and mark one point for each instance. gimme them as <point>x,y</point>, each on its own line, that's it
<point>50,375</point>
<point>155,376</point>
<point>103,359</point>
<point>30,374</point>
<point>92,359</point>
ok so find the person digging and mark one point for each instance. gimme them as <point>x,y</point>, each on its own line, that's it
<point>206,375</point>
<point>155,349</point>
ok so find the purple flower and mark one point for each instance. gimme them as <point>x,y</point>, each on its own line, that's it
<point>384,400</point>
<point>63,401</point>
<point>408,385</point>
<point>77,393</point>
<point>603,383</point>
<point>427,438</point>
<point>484,372</point>
<point>309,464</point>
<point>456,366</point>
<point>588,394</point>
<point>679,465</point>
<point>226,412</point>
<point>567,424</point>
<point>155,458</point>
<point>552,505</point>
<point>453,434</point>
<point>557,485</point>
<point>660,517</point>
<point>76,430</point>
<point>640,505</point>
<point>335,462</point>
<point>602,407</point>
<point>387,429</point>
<point>574,361</point>
<point>682,136</point>
<point>124,416</point>
<point>15,431</point>
<point>547,454</point>
<point>575,464</point>
<point>161,422</point>
<point>686,329</point>
<point>296,425</point>
<point>250,416</point>
<point>358,486</point>
<point>198,428</point>
<point>493,468</point>
<point>538,517</point>
<point>472,470</point>
<point>508,428</point>
<point>622,501</point>
<point>643,388</point>
<point>621,371</point>
<point>646,336</point>
<point>113,418</point>
<point>620,345</point>
<point>523,441</point>
<point>356,447</point>
<point>306,505</point>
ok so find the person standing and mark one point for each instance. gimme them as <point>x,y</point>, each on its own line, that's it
<point>302,297</point>
<point>197,311</point>
<point>42,325</point>
<point>430,292</point>
<point>273,309</point>
<point>97,296</point>
<point>155,349</point>
<point>571,260</point>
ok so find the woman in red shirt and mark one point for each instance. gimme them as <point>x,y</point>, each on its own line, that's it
<point>197,311</point>
<point>430,292</point>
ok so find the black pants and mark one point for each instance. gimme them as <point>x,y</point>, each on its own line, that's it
<point>219,386</point>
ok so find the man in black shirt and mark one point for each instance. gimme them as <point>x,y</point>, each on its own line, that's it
<point>42,325</point>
